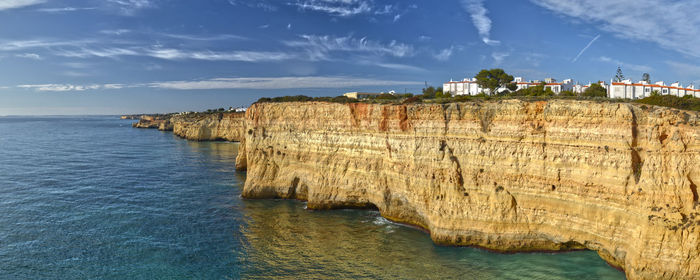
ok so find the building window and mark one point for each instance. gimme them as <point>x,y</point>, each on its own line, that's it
<point>647,90</point>
<point>665,90</point>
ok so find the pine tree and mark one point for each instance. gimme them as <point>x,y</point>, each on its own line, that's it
<point>619,77</point>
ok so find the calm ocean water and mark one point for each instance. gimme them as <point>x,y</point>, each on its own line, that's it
<point>92,198</point>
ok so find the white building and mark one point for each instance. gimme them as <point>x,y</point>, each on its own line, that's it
<point>642,89</point>
<point>464,87</point>
<point>470,87</point>
<point>579,89</point>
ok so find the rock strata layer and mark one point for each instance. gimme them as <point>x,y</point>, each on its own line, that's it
<point>210,127</point>
<point>616,178</point>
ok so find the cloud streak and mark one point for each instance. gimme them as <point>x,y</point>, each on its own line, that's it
<point>262,83</point>
<point>14,4</point>
<point>342,8</point>
<point>320,47</point>
<point>673,25</point>
<point>481,21</point>
<point>586,48</point>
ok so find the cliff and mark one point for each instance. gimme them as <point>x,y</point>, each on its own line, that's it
<point>510,176</point>
<point>160,122</point>
<point>210,127</point>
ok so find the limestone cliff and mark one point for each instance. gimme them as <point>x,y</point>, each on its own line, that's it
<point>616,178</point>
<point>161,122</point>
<point>209,127</point>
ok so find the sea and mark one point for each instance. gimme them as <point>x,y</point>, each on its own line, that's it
<point>90,197</point>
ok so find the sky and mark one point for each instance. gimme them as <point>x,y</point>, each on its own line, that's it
<point>80,57</point>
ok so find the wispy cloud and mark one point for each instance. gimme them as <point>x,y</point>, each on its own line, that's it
<point>586,48</point>
<point>308,82</point>
<point>13,4</point>
<point>633,67</point>
<point>33,44</point>
<point>319,47</point>
<point>115,31</point>
<point>279,83</point>
<point>342,8</point>
<point>395,66</point>
<point>217,37</point>
<point>60,87</point>
<point>177,54</point>
<point>261,4</point>
<point>65,9</point>
<point>481,21</point>
<point>445,54</point>
<point>671,24</point>
<point>29,56</point>
<point>130,7</point>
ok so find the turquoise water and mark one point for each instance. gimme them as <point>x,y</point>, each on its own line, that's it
<point>92,198</point>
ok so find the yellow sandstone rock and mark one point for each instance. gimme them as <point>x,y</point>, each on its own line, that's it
<point>616,178</point>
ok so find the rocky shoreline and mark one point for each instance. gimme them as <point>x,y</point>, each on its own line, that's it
<point>508,176</point>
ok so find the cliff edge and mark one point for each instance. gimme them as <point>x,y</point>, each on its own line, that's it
<point>616,178</point>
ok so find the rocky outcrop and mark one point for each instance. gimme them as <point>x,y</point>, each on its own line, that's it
<point>160,122</point>
<point>210,127</point>
<point>616,178</point>
<point>198,126</point>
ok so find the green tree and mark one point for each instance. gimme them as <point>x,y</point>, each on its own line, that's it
<point>595,90</point>
<point>567,93</point>
<point>512,86</point>
<point>493,79</point>
<point>618,76</point>
<point>429,92</point>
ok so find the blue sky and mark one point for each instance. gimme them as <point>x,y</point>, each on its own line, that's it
<point>133,56</point>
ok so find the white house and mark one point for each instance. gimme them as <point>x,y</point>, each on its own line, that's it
<point>642,89</point>
<point>464,87</point>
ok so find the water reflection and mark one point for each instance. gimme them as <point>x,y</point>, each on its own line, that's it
<point>282,240</point>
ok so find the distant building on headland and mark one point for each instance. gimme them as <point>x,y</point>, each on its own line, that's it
<point>642,89</point>
<point>623,89</point>
<point>471,87</point>
<point>363,95</point>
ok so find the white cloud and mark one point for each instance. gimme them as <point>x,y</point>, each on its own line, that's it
<point>65,9</point>
<point>342,8</point>
<point>319,47</point>
<point>481,21</point>
<point>230,83</point>
<point>261,4</point>
<point>671,24</point>
<point>29,56</point>
<point>115,31</point>
<point>397,66</point>
<point>445,54</point>
<point>177,54</point>
<point>278,83</point>
<point>218,37</point>
<point>60,87</point>
<point>623,65</point>
<point>585,48</point>
<point>13,4</point>
<point>130,7</point>
<point>32,44</point>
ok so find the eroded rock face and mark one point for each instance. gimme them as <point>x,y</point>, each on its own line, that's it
<point>210,127</point>
<point>616,178</point>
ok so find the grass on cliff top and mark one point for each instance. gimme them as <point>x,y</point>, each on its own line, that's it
<point>687,102</point>
<point>683,103</point>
